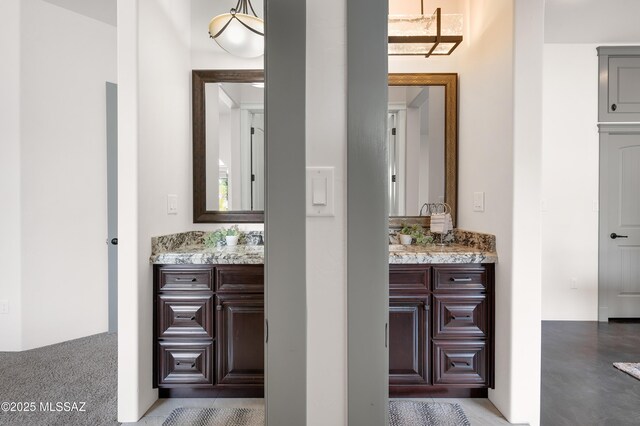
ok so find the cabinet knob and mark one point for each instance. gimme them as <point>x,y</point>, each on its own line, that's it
<point>614,107</point>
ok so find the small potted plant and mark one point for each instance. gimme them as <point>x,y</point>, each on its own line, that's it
<point>232,236</point>
<point>228,236</point>
<point>405,235</point>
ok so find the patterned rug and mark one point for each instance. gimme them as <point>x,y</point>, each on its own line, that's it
<point>414,413</point>
<point>631,368</point>
<point>215,417</point>
<point>401,413</point>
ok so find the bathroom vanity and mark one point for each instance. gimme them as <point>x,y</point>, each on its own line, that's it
<point>209,319</point>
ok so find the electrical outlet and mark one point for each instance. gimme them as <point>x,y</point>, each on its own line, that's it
<point>478,201</point>
<point>172,204</point>
<point>4,306</point>
<point>574,283</point>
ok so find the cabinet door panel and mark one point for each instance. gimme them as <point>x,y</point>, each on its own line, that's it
<point>459,316</point>
<point>184,278</point>
<point>460,278</point>
<point>408,343</point>
<point>185,316</point>
<point>240,279</point>
<point>240,339</point>
<point>624,85</point>
<point>185,364</point>
<point>459,363</point>
<point>408,278</point>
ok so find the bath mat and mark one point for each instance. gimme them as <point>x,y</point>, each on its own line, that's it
<point>215,417</point>
<point>631,368</point>
<point>401,413</point>
<point>410,413</point>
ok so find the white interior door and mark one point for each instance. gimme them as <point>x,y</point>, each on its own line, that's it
<point>257,161</point>
<point>619,224</point>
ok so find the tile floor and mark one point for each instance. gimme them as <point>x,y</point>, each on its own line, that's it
<point>480,412</point>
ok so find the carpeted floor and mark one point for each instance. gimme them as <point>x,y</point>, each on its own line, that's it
<point>48,381</point>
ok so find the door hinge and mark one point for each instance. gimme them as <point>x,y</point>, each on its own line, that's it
<point>253,130</point>
<point>393,131</point>
<point>393,178</point>
<point>253,178</point>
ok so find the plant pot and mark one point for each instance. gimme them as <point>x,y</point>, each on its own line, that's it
<point>405,239</point>
<point>232,240</point>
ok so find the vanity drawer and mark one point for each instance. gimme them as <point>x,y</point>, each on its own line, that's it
<point>448,278</point>
<point>408,278</point>
<point>185,316</point>
<point>175,278</point>
<point>459,363</point>
<point>460,316</point>
<point>185,364</point>
<point>240,279</point>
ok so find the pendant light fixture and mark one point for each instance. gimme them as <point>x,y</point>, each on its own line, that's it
<point>238,32</point>
<point>424,35</point>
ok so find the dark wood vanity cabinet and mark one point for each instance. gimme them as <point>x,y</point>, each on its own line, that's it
<point>441,330</point>
<point>209,330</point>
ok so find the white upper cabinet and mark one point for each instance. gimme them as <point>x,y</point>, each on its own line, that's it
<point>619,91</point>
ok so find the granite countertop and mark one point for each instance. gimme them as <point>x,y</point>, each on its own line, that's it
<point>454,253</point>
<point>188,248</point>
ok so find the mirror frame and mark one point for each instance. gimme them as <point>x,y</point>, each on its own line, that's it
<point>450,83</point>
<point>198,80</point>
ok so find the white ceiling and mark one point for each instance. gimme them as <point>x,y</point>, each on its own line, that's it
<point>102,10</point>
<point>592,21</point>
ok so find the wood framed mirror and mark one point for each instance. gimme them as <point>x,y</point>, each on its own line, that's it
<point>423,145</point>
<point>228,146</point>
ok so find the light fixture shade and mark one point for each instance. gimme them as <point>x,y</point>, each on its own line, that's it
<point>424,35</point>
<point>236,38</point>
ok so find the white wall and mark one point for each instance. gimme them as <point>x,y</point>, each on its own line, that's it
<point>66,58</point>
<point>570,183</point>
<point>10,259</point>
<point>326,245</point>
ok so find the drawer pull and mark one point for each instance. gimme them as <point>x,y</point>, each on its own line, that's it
<point>187,280</point>
<point>219,307</point>
<point>193,318</point>
<point>458,364</point>
<point>193,365</point>
<point>455,317</point>
<point>460,280</point>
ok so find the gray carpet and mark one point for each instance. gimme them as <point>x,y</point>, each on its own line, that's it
<point>401,413</point>
<point>82,370</point>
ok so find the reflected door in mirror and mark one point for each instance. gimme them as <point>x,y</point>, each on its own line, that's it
<point>416,135</point>
<point>234,146</point>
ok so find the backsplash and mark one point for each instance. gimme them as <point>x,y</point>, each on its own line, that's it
<point>478,240</point>
<point>167,243</point>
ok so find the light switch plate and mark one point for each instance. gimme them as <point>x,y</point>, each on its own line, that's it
<point>4,307</point>
<point>172,204</point>
<point>478,201</point>
<point>320,199</point>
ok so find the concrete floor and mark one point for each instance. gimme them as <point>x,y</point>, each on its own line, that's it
<point>580,386</point>
<point>479,411</point>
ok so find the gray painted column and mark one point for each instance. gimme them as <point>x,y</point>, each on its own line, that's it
<point>285,213</point>
<point>368,244</point>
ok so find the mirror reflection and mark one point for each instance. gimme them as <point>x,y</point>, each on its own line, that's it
<point>416,137</point>
<point>234,146</point>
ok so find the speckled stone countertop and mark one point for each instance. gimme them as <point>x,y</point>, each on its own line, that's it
<point>454,253</point>
<point>190,250</point>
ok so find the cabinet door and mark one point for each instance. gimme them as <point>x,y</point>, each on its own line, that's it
<point>624,85</point>
<point>408,343</point>
<point>240,339</point>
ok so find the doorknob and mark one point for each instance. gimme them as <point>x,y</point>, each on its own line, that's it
<point>614,236</point>
<point>114,241</point>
